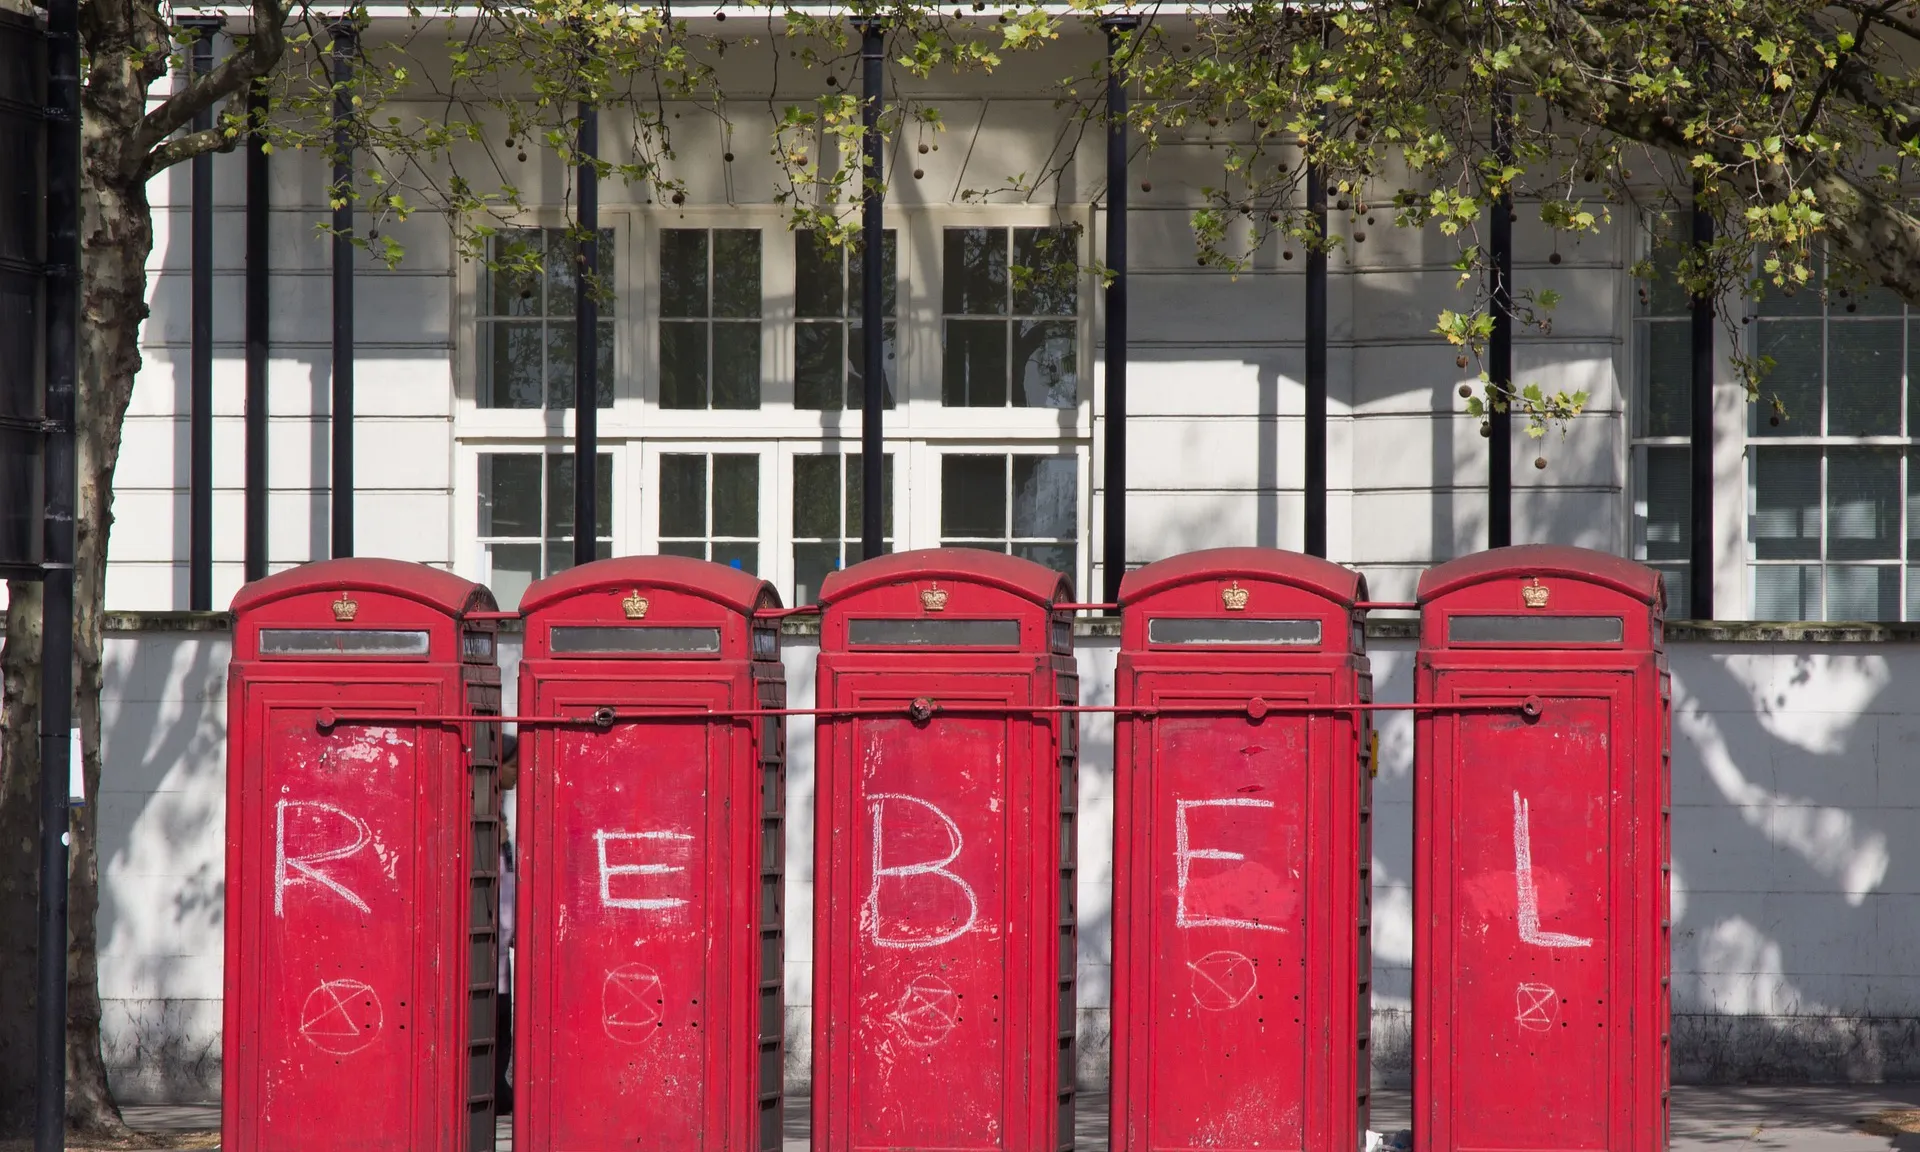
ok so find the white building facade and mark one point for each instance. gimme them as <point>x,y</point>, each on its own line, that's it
<point>724,427</point>
<point>725,432</point>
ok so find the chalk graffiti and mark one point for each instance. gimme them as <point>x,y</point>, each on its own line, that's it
<point>1223,980</point>
<point>303,868</point>
<point>927,1012</point>
<point>1526,894</point>
<point>631,1003</point>
<point>1536,1006</point>
<point>609,870</point>
<point>877,804</point>
<point>1184,853</point>
<point>341,1017</point>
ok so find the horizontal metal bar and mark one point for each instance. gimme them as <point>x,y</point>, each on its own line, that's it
<point>783,613</point>
<point>924,708</point>
<point>1385,605</point>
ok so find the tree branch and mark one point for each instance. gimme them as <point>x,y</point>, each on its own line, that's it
<point>186,147</point>
<point>1874,234</point>
<point>1881,15</point>
<point>150,150</point>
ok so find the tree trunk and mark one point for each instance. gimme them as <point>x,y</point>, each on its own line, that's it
<point>116,239</point>
<point>19,855</point>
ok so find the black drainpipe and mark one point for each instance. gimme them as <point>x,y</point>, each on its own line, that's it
<point>873,320</point>
<point>56,609</point>
<point>1500,346</point>
<point>344,47</point>
<point>1315,455</point>
<point>586,345</point>
<point>1114,520</point>
<point>1700,494</point>
<point>258,270</point>
<point>200,404</point>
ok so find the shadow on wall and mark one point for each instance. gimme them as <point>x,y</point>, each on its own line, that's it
<point>1797,914</point>
<point>162,865</point>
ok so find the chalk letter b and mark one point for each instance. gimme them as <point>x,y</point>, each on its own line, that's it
<point>877,803</point>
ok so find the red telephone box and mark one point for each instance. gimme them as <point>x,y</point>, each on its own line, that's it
<point>650,904</point>
<point>1242,853</point>
<point>362,862</point>
<point>944,919</point>
<point>1541,922</point>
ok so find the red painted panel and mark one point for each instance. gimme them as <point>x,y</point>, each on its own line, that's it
<point>1540,883</point>
<point>1531,824</point>
<point>1229,934</point>
<point>1241,982</point>
<point>649,960</point>
<point>936,939</point>
<point>629,896</point>
<point>931,962</point>
<point>943,931</point>
<point>346,872</point>
<point>360,925</point>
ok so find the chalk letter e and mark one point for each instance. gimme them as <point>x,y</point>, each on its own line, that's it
<point>1184,853</point>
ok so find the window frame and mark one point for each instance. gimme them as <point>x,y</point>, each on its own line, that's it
<point>648,455</point>
<point>923,332</point>
<point>1638,389</point>
<point>902,452</point>
<point>470,548</point>
<point>850,316</point>
<point>918,431</point>
<point>930,462</point>
<point>471,421</point>
<point>1826,443</point>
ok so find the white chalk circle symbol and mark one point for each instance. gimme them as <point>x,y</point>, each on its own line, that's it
<point>630,1003</point>
<point>1537,1005</point>
<point>1223,980</point>
<point>927,1012</point>
<point>341,1017</point>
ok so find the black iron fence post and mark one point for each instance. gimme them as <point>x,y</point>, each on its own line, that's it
<point>345,46</point>
<point>56,621</point>
<point>873,320</point>
<point>1700,496</point>
<point>1114,512</point>
<point>586,344</point>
